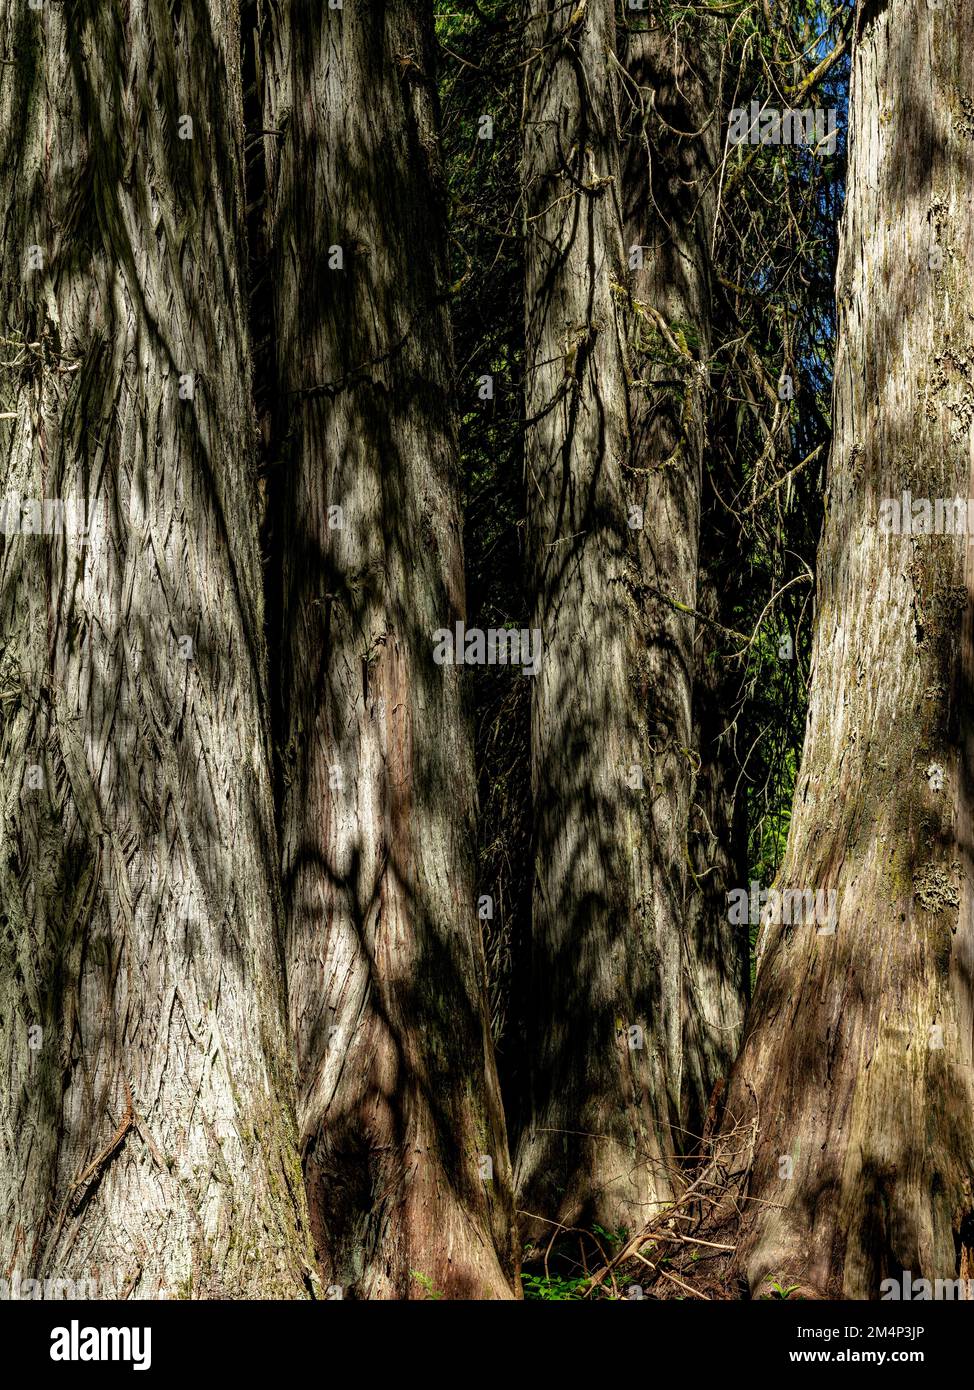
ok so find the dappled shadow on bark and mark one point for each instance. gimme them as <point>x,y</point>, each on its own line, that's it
<point>147,860</point>
<point>398,1103</point>
<point>858,1066</point>
<point>602,1040</point>
<point>669,100</point>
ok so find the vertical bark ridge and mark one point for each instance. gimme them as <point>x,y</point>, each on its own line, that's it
<point>671,129</point>
<point>857,1068</point>
<point>149,1138</point>
<point>401,1126</point>
<point>596,1143</point>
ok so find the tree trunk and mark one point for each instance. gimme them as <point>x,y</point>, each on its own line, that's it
<point>147,1132</point>
<point>858,1067</point>
<point>716,964</point>
<point>672,135</point>
<point>401,1126</point>
<point>596,1140</point>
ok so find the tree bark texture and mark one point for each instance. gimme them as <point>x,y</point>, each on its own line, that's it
<point>604,1037</point>
<point>147,1133</point>
<point>671,143</point>
<point>402,1131</point>
<point>717,952</point>
<point>858,1066</point>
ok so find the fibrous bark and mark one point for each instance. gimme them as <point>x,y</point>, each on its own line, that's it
<point>857,1071</point>
<point>147,1131</point>
<point>671,142</point>
<point>716,966</point>
<point>402,1132</point>
<point>604,1031</point>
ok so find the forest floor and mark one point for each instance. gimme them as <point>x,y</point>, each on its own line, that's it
<point>684,1252</point>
